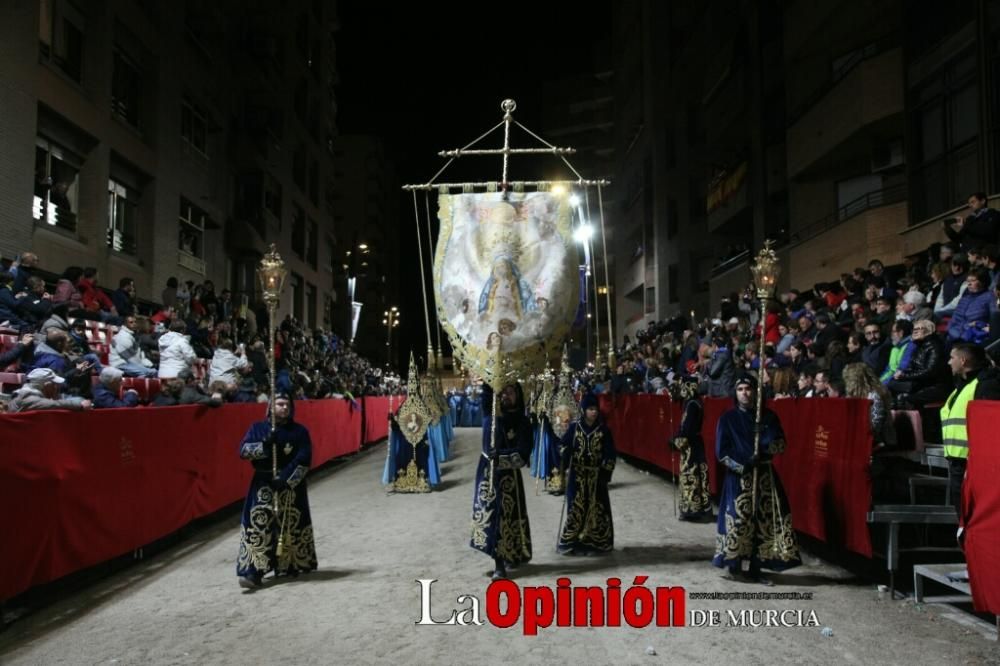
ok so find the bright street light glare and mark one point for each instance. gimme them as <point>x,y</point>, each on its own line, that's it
<point>583,233</point>
<point>574,200</point>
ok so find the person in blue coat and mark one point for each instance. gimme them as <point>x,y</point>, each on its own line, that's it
<point>753,527</point>
<point>588,456</point>
<point>281,543</point>
<point>500,526</point>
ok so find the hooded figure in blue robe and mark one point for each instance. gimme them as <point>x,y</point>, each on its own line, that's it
<point>695,503</point>
<point>588,456</point>
<point>284,543</point>
<point>500,525</point>
<point>753,527</point>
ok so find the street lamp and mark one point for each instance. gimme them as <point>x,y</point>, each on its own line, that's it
<point>272,273</point>
<point>390,319</point>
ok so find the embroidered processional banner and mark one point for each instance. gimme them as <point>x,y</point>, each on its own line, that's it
<point>505,279</point>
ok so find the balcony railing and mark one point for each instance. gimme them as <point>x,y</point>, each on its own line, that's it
<point>876,199</point>
<point>53,215</point>
<point>838,74</point>
<point>731,262</point>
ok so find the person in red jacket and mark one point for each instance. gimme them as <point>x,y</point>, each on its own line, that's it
<point>94,299</point>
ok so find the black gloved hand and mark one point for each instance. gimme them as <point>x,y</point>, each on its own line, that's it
<point>754,461</point>
<point>279,484</point>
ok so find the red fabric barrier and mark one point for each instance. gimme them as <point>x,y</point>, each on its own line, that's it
<point>83,488</point>
<point>981,506</point>
<point>377,418</point>
<point>824,470</point>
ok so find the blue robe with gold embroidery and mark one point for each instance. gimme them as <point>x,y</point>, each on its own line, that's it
<point>401,452</point>
<point>589,456</point>
<point>695,499</point>
<point>761,535</point>
<point>500,526</point>
<point>259,530</point>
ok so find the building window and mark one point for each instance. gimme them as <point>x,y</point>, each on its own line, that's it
<point>272,196</point>
<point>311,305</point>
<point>297,296</point>
<point>60,36</point>
<point>945,124</point>
<point>299,167</point>
<point>126,86</point>
<point>57,172</point>
<point>298,231</point>
<point>673,289</point>
<point>191,237</point>
<point>314,182</point>
<point>123,209</point>
<point>312,243</point>
<point>194,127</point>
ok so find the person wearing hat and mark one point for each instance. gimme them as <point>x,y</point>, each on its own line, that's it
<point>588,455</point>
<point>42,390</point>
<point>755,523</point>
<point>695,502</point>
<point>500,526</point>
<point>282,542</point>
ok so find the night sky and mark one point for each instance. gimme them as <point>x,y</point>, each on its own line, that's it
<point>427,81</point>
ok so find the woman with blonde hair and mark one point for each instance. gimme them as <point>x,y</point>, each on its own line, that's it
<point>861,382</point>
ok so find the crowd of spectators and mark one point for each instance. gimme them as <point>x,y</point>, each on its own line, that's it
<point>199,346</point>
<point>899,336</point>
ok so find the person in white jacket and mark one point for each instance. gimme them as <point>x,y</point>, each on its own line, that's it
<point>126,354</point>
<point>176,353</point>
<point>226,365</point>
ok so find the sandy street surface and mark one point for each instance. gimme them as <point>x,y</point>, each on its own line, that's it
<point>184,606</point>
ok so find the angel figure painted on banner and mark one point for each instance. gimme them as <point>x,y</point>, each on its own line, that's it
<point>506,293</point>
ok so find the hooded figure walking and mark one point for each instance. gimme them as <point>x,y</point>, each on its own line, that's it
<point>281,543</point>
<point>500,525</point>
<point>754,526</point>
<point>588,455</point>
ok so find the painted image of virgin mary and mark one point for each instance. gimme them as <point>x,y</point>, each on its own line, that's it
<point>506,292</point>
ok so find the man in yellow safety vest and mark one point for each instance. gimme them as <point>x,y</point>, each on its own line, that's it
<point>974,380</point>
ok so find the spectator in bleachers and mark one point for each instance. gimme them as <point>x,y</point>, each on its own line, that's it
<point>36,305</point>
<point>227,363</point>
<point>927,378</point>
<point>878,277</point>
<point>95,301</point>
<point>126,354</point>
<point>164,316</point>
<point>42,390</point>
<point>106,393</point>
<point>952,287</point>
<point>170,393</point>
<point>912,307</point>
<point>22,354</point>
<point>192,393</point>
<point>176,354</point>
<point>58,319</point>
<point>971,318</point>
<point>66,289</point>
<point>22,269</point>
<point>798,356</point>
<point>980,227</point>
<point>124,297</point>
<point>77,346</point>
<point>9,305</point>
<point>938,273</point>
<point>826,332</point>
<point>876,353</point>
<point>169,295</point>
<point>855,347</point>
<point>721,371</point>
<point>820,384</point>
<point>860,381</point>
<point>807,329</point>
<point>902,349</point>
<point>835,359</point>
<point>885,312</point>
